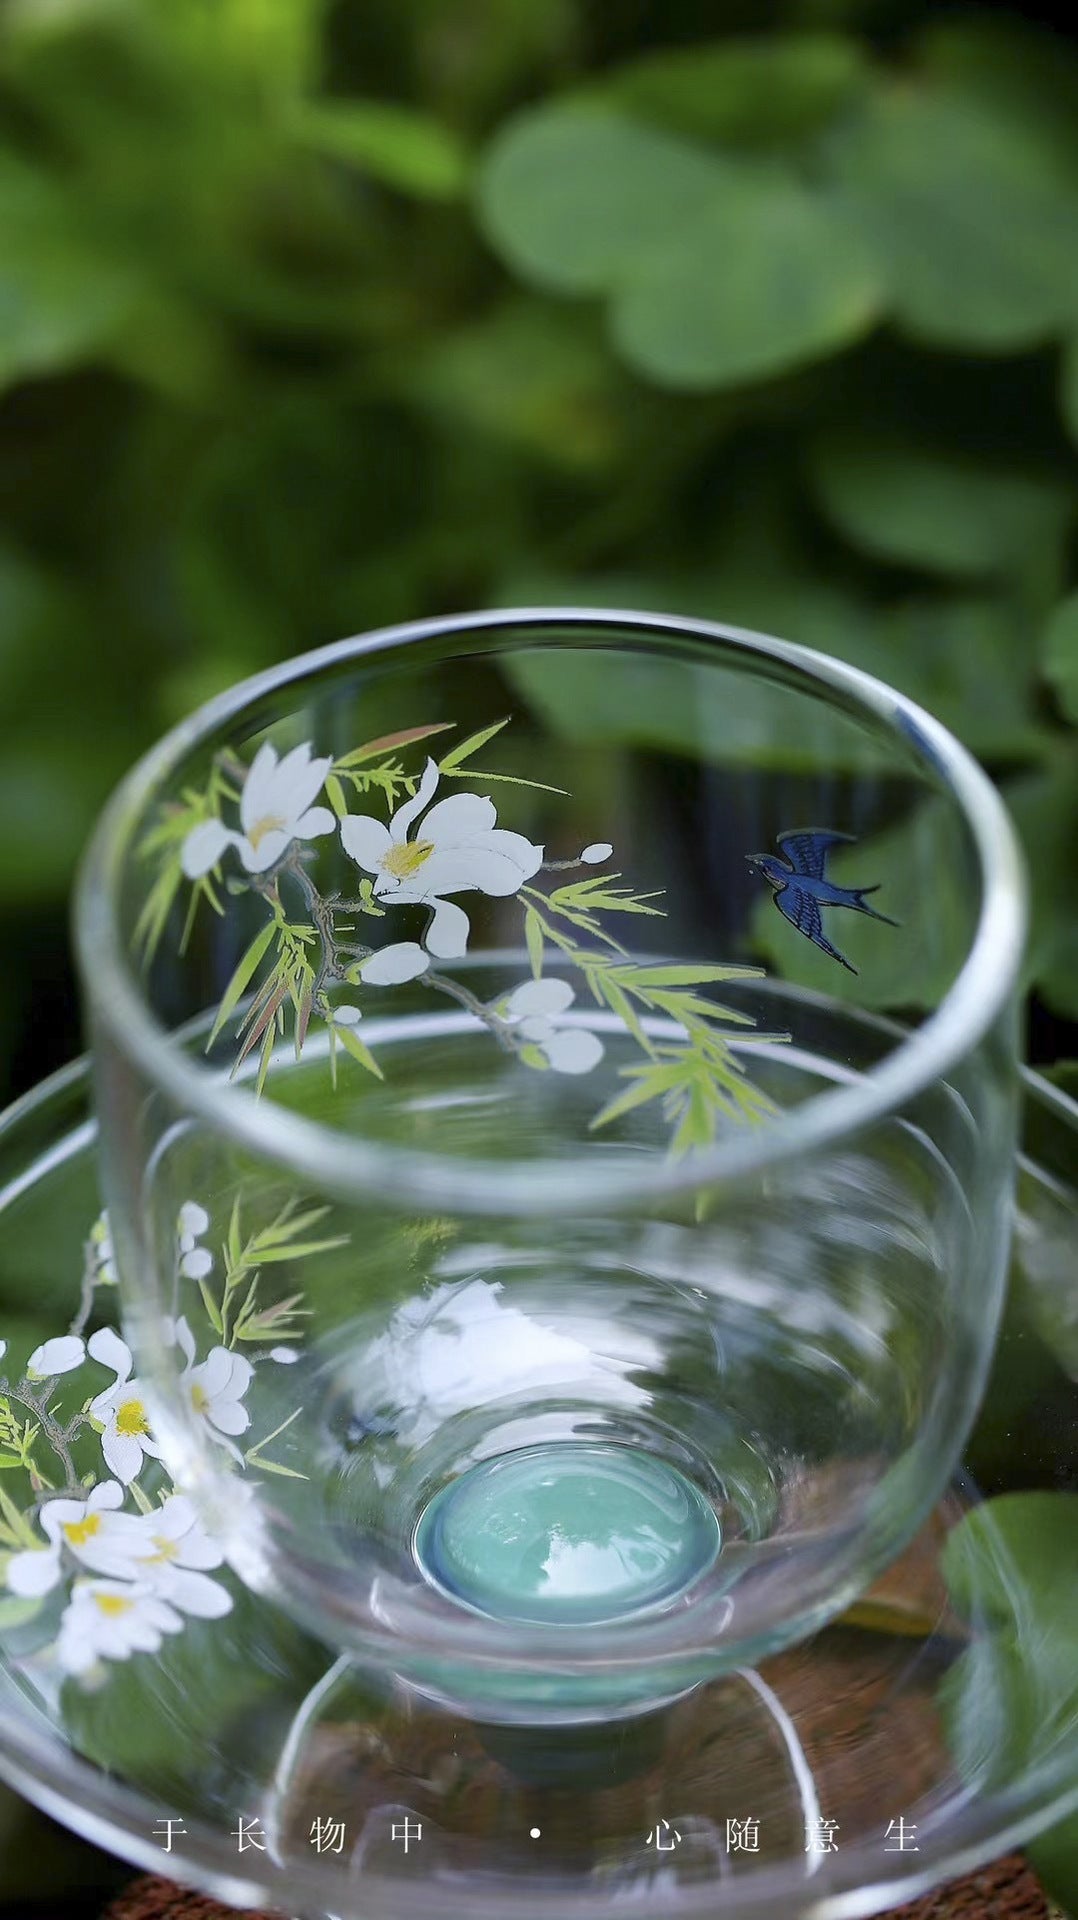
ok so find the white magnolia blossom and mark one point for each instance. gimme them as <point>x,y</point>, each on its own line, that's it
<point>534,1010</point>
<point>61,1355</point>
<point>215,1388</point>
<point>455,847</point>
<point>110,1620</point>
<point>276,807</point>
<point>103,1252</point>
<point>92,1530</point>
<point>192,1222</point>
<point>121,1409</point>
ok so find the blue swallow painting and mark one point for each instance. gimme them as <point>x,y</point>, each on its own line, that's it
<point>801,887</point>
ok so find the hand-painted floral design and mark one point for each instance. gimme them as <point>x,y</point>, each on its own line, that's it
<point>420,846</point>
<point>455,847</point>
<point>110,1620</point>
<point>121,1409</point>
<point>196,1261</point>
<point>99,1523</point>
<point>276,808</point>
<point>535,1011</point>
<point>215,1388</point>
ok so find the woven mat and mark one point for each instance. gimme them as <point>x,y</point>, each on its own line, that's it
<point>1007,1890</point>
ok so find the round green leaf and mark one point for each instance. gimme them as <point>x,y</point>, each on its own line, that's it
<point>976,213</point>
<point>770,276</point>
<point>748,91</point>
<point>719,270</point>
<point>1059,655</point>
<point>574,197</point>
<point>921,506</point>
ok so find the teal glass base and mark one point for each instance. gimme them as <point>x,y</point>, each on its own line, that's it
<point>573,1533</point>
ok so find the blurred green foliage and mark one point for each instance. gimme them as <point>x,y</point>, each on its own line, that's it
<point>315,316</point>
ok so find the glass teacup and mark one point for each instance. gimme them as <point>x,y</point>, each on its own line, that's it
<point>617,1307</point>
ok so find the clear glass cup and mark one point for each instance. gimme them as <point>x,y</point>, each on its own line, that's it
<point>616,1307</point>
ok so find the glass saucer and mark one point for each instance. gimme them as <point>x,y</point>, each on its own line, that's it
<point>238,1754</point>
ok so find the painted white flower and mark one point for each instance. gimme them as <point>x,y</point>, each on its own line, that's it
<point>598,851</point>
<point>121,1409</point>
<point>284,1356</point>
<point>534,1011</point>
<point>192,1222</point>
<point>345,1015</point>
<point>3,1348</point>
<point>92,1530</point>
<point>404,960</point>
<point>215,1388</point>
<point>276,807</point>
<point>110,1620</point>
<point>456,848</point>
<point>61,1355</point>
<point>171,1553</point>
<point>103,1252</point>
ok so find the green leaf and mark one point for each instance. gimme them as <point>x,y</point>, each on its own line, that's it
<point>244,972</point>
<point>926,507</point>
<point>533,936</point>
<point>467,749</point>
<point>1044,807</point>
<point>976,215</point>
<point>648,1083</point>
<point>749,92</point>
<point>689,976</point>
<point>1054,1859</point>
<point>63,295</point>
<point>400,146</point>
<point>773,275</point>
<point>352,1044</point>
<point>389,742</point>
<point>720,270</point>
<point>1010,1703</point>
<point>1059,655</point>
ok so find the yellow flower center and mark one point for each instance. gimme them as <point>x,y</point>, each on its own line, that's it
<point>79,1531</point>
<point>131,1417</point>
<point>166,1549</point>
<point>112,1603</point>
<point>269,823</point>
<point>199,1399</point>
<point>405,857</point>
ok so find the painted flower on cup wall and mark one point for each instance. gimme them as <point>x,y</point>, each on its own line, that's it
<point>121,1409</point>
<point>317,953</point>
<point>536,1011</point>
<point>110,1620</point>
<point>276,807</point>
<point>128,1553</point>
<point>456,847</point>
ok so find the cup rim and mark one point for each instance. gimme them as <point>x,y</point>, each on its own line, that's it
<point>348,1165</point>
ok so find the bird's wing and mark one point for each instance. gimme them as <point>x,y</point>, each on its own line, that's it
<point>803,912</point>
<point>807,848</point>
